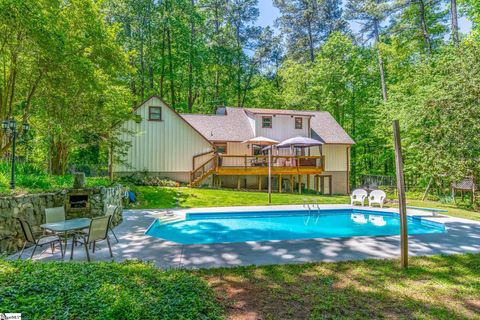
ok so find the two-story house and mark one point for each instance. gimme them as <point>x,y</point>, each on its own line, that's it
<point>210,149</point>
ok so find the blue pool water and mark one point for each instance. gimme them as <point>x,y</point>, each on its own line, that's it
<point>202,228</point>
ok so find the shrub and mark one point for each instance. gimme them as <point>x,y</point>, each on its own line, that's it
<point>150,181</point>
<point>105,290</point>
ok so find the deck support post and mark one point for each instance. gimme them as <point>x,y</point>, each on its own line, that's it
<point>299,184</point>
<point>308,182</point>
<point>280,183</point>
<point>401,195</point>
<point>220,181</point>
<point>292,189</point>
<point>259,183</point>
<point>238,182</point>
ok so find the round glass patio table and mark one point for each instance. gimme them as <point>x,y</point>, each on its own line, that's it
<point>67,227</point>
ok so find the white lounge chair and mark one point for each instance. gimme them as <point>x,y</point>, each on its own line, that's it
<point>358,218</point>
<point>377,197</point>
<point>358,196</point>
<point>377,220</point>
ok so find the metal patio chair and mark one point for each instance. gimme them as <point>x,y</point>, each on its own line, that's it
<point>98,231</point>
<point>110,212</point>
<point>40,241</point>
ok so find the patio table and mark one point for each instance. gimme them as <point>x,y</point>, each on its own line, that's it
<point>67,227</point>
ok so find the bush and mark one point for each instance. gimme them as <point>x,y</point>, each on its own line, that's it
<point>28,178</point>
<point>105,290</point>
<point>150,181</point>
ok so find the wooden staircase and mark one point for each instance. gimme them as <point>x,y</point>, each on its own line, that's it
<point>204,171</point>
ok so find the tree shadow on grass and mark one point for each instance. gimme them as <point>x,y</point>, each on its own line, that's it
<point>440,287</point>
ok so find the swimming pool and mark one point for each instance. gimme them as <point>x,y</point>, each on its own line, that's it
<point>204,228</point>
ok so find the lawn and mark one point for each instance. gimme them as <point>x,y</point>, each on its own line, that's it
<point>160,197</point>
<point>438,287</point>
<point>130,290</point>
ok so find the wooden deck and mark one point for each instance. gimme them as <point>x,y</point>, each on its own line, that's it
<point>259,171</point>
<point>230,165</point>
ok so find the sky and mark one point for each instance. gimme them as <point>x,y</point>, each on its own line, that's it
<point>268,14</point>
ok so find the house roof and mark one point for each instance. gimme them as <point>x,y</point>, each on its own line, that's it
<point>174,111</point>
<point>325,128</point>
<point>278,111</point>
<point>233,126</point>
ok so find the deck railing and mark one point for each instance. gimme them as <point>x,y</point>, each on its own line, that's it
<point>203,169</point>
<point>231,161</point>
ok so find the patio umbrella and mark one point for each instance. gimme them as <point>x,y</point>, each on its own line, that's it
<point>262,141</point>
<point>299,142</point>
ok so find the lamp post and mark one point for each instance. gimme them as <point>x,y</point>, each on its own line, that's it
<point>10,128</point>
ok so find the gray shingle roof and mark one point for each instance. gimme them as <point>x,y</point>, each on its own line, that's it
<point>325,128</point>
<point>235,126</point>
<point>279,111</point>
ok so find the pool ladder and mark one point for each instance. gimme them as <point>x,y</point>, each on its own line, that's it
<point>310,209</point>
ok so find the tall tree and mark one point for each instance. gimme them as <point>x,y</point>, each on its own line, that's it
<point>454,18</point>
<point>419,25</point>
<point>307,23</point>
<point>371,14</point>
<point>242,13</point>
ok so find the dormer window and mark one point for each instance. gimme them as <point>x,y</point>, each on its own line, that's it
<point>298,122</point>
<point>155,113</point>
<point>267,122</point>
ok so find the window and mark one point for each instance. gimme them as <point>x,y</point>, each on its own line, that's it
<point>298,123</point>
<point>221,148</point>
<point>266,122</point>
<point>155,113</point>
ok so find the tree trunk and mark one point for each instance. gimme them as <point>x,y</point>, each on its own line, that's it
<point>190,60</point>
<point>142,71</point>
<point>217,72</point>
<point>423,24</point>
<point>59,156</point>
<point>454,14</point>
<point>380,61</point>
<point>162,68</point>
<point>310,42</point>
<point>170,61</point>
<point>239,68</point>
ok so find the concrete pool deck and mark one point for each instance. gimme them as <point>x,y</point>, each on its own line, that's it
<point>462,236</point>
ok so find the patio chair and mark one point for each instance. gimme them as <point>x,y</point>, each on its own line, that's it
<point>98,231</point>
<point>358,196</point>
<point>41,241</point>
<point>377,197</point>
<point>53,215</point>
<point>110,212</point>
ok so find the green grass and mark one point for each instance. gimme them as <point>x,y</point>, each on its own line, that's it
<point>453,210</point>
<point>159,197</point>
<point>438,287</point>
<point>132,290</point>
<point>29,179</point>
<point>43,183</point>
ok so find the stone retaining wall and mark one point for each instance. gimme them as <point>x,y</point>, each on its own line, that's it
<point>31,207</point>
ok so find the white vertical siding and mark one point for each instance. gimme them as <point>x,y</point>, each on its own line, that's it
<point>237,149</point>
<point>335,156</point>
<point>161,146</point>
<point>283,127</point>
